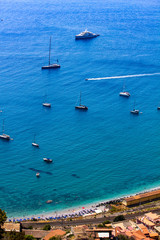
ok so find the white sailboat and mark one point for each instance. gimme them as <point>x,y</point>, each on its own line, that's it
<point>80,106</point>
<point>3,135</point>
<point>45,103</point>
<point>135,111</point>
<point>34,142</point>
<point>124,93</point>
<point>54,65</point>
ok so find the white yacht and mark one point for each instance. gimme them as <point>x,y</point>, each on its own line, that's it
<point>86,34</point>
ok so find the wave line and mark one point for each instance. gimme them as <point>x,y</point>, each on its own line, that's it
<point>126,76</point>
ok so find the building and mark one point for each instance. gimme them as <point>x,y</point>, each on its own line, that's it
<point>141,198</point>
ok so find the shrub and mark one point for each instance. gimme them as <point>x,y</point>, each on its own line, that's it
<point>47,227</point>
<point>29,237</point>
<point>119,218</point>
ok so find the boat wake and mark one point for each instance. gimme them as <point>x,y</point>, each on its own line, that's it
<point>125,76</point>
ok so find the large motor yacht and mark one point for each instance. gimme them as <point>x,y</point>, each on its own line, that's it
<point>86,34</point>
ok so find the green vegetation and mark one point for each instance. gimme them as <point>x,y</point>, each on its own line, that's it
<point>119,218</point>
<point>3,217</point>
<point>47,227</point>
<point>30,227</point>
<point>55,238</point>
<point>29,237</point>
<point>102,225</point>
<point>124,237</point>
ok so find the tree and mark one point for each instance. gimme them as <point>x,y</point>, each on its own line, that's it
<point>29,237</point>
<point>3,217</point>
<point>55,238</point>
<point>13,235</point>
<point>119,218</point>
<point>47,227</point>
<point>124,237</point>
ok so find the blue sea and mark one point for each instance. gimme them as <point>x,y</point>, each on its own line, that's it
<point>98,154</point>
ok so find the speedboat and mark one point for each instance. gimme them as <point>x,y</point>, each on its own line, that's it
<point>82,107</point>
<point>86,34</point>
<point>124,94</point>
<point>46,104</point>
<point>134,111</point>
<point>35,144</point>
<point>37,174</point>
<point>47,159</point>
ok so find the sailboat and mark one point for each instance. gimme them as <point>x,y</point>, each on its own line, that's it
<point>34,142</point>
<point>124,93</point>
<point>46,104</point>
<point>3,135</point>
<point>54,65</point>
<point>134,111</point>
<point>80,106</point>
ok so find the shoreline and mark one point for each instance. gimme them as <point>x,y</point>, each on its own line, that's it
<point>81,210</point>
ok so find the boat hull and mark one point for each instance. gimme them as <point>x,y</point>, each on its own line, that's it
<point>86,37</point>
<point>51,66</point>
<point>5,137</point>
<point>46,105</point>
<point>81,107</point>
<point>136,112</point>
<point>35,145</point>
<point>124,94</point>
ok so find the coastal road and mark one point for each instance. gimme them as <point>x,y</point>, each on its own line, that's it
<point>97,220</point>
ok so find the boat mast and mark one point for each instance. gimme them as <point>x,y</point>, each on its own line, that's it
<point>3,127</point>
<point>50,51</point>
<point>80,99</point>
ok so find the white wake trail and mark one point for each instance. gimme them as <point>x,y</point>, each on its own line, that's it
<point>126,76</point>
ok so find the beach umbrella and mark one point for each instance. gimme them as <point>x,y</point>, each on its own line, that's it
<point>24,219</point>
<point>13,220</point>
<point>9,220</point>
<point>28,218</point>
<point>83,207</point>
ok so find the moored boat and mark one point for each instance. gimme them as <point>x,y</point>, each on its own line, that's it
<point>124,93</point>
<point>46,104</point>
<point>81,106</point>
<point>3,135</point>
<point>54,65</point>
<point>47,159</point>
<point>86,35</point>
<point>37,174</point>
<point>34,142</point>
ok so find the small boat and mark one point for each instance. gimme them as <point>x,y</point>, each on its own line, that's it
<point>34,142</point>
<point>54,65</point>
<point>80,106</point>
<point>47,159</point>
<point>3,135</point>
<point>158,108</point>
<point>37,174</point>
<point>45,103</point>
<point>135,111</point>
<point>49,201</point>
<point>124,93</point>
<point>86,35</point>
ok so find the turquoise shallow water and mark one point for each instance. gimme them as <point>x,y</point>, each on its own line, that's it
<point>99,154</point>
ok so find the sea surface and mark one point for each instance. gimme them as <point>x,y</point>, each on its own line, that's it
<point>98,154</point>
